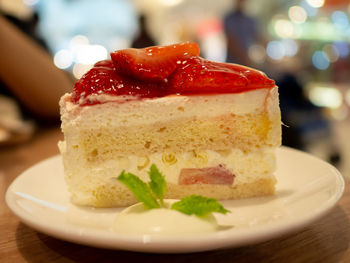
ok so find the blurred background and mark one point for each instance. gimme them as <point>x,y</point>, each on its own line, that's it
<point>303,44</point>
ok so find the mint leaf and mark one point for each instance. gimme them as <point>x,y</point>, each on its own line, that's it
<point>156,188</point>
<point>198,205</point>
<point>157,183</point>
<point>140,189</point>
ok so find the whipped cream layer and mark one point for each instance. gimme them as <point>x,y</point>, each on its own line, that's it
<point>246,167</point>
<point>131,111</point>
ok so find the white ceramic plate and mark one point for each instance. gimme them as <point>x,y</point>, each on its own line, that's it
<point>307,188</point>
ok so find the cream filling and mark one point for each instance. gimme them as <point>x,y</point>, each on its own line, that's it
<point>125,111</point>
<point>246,167</point>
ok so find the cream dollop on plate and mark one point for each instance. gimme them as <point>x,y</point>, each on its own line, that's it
<point>138,220</point>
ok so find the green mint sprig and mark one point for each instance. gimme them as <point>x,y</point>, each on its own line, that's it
<point>157,183</point>
<point>140,189</point>
<point>152,195</point>
<point>198,205</point>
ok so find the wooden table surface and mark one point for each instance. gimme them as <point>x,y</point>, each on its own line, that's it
<point>327,240</point>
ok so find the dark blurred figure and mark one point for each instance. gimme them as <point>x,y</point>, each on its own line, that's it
<point>27,71</point>
<point>305,123</point>
<point>28,26</point>
<point>30,84</point>
<point>241,32</point>
<point>302,119</point>
<point>143,38</point>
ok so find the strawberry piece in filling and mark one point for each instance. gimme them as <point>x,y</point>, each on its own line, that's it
<point>209,175</point>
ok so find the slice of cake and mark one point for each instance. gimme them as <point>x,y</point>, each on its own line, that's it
<point>211,128</point>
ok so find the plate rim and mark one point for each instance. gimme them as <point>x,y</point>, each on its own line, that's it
<point>189,243</point>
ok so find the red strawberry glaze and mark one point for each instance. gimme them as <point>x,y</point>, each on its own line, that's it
<point>183,75</point>
<point>152,63</point>
<point>198,75</point>
<point>104,79</point>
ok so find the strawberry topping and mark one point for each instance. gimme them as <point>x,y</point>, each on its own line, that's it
<point>161,71</point>
<point>198,75</point>
<point>152,63</point>
<point>104,79</point>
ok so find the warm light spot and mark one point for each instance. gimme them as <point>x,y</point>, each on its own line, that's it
<point>90,54</point>
<point>284,28</point>
<point>311,11</point>
<point>257,53</point>
<point>315,3</point>
<point>78,41</point>
<point>297,14</point>
<point>80,69</point>
<point>63,59</point>
<point>325,97</point>
<point>171,2</point>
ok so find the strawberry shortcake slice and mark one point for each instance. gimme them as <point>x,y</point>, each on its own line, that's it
<point>211,128</point>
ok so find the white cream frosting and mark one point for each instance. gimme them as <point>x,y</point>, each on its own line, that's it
<point>136,112</point>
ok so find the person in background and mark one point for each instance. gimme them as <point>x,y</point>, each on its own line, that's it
<point>28,73</point>
<point>241,32</point>
<point>143,39</point>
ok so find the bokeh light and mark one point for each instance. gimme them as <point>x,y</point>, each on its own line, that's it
<point>80,69</point>
<point>326,97</point>
<point>310,10</point>
<point>257,53</point>
<point>315,3</point>
<point>290,46</point>
<point>342,48</point>
<point>275,50</point>
<point>331,52</point>
<point>90,54</point>
<point>320,60</point>
<point>284,28</point>
<point>170,2</point>
<point>63,59</point>
<point>297,14</point>
<point>340,19</point>
<point>77,41</point>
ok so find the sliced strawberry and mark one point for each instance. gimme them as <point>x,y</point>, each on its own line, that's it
<point>255,77</point>
<point>105,63</point>
<point>197,75</point>
<point>153,63</point>
<point>103,79</point>
<point>208,175</point>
